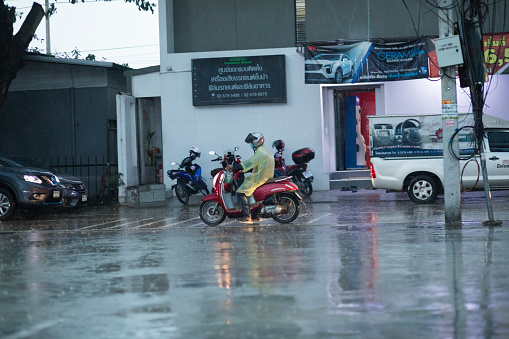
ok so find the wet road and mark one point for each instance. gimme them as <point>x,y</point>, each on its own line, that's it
<point>353,265</point>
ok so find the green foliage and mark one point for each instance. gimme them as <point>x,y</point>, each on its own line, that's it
<point>115,181</point>
<point>142,5</point>
<point>148,139</point>
<point>90,57</point>
<point>51,10</point>
<point>35,50</point>
<point>75,53</point>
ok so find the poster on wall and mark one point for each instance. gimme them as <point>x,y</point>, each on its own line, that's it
<point>366,62</point>
<point>239,80</point>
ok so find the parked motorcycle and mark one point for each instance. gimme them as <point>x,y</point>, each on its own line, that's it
<point>298,171</point>
<point>275,199</point>
<point>188,176</point>
<point>228,158</point>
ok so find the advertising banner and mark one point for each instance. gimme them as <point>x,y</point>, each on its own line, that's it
<point>496,53</point>
<point>413,136</point>
<point>366,62</point>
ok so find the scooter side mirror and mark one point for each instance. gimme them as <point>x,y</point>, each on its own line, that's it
<point>212,153</point>
<point>173,163</point>
<point>236,148</point>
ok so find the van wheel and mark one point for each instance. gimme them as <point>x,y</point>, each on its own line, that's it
<point>422,189</point>
<point>7,205</point>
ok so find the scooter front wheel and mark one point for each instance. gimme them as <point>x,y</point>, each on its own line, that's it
<point>290,206</point>
<point>212,213</point>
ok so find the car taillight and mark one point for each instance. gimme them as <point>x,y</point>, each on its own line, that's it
<point>372,171</point>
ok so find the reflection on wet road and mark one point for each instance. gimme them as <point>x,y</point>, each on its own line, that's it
<point>358,266</point>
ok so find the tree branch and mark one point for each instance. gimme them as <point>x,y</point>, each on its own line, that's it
<point>15,46</point>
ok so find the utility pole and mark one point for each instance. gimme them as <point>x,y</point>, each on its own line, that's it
<point>476,75</point>
<point>452,193</point>
<point>48,42</point>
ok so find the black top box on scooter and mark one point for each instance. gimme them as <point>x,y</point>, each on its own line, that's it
<point>303,155</point>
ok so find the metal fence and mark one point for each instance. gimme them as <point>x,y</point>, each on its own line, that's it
<point>96,173</point>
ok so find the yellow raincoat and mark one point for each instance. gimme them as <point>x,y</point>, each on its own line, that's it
<point>262,163</point>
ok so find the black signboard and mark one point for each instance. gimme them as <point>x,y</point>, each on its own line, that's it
<point>239,80</point>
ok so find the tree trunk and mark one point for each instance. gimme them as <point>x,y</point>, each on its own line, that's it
<point>13,48</point>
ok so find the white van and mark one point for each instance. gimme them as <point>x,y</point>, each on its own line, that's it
<point>408,158</point>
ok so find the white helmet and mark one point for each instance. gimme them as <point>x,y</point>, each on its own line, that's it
<point>196,151</point>
<point>255,138</point>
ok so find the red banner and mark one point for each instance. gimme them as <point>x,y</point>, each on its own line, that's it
<point>496,55</point>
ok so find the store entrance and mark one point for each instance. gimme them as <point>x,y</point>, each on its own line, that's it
<point>351,126</point>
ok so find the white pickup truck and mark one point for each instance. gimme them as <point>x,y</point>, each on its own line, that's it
<point>406,154</point>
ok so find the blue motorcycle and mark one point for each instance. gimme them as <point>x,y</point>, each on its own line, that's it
<point>188,176</point>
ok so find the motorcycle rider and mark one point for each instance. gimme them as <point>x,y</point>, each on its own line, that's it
<point>262,166</point>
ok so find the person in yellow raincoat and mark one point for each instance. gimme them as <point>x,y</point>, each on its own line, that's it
<point>262,164</point>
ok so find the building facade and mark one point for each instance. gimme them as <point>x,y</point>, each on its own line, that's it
<point>311,114</point>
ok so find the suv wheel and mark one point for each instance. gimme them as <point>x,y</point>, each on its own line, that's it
<point>7,205</point>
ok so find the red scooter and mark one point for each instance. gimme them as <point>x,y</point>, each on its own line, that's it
<point>275,199</point>
<point>298,171</point>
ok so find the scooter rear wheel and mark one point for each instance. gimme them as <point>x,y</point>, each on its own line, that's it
<point>212,213</point>
<point>182,193</point>
<point>306,188</point>
<point>290,206</point>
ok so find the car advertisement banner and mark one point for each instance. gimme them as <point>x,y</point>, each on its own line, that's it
<point>366,62</point>
<point>411,136</point>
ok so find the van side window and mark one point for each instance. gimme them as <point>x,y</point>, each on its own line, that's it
<point>499,141</point>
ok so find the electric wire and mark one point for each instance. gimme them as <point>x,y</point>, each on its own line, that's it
<point>474,141</point>
<point>480,11</point>
<point>478,175</point>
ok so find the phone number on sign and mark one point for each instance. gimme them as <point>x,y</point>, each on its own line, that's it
<point>239,95</point>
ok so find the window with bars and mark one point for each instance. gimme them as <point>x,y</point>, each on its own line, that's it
<point>300,20</point>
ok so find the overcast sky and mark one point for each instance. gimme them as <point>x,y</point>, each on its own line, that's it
<point>113,31</point>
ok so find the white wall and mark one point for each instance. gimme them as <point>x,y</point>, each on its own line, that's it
<point>126,139</point>
<point>425,96</point>
<point>297,122</point>
<point>146,85</point>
